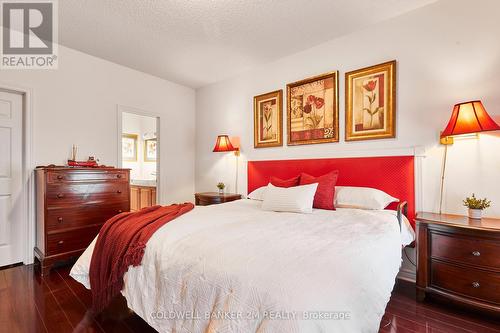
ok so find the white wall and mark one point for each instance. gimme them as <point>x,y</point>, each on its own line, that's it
<point>77,104</point>
<point>139,125</point>
<point>447,52</point>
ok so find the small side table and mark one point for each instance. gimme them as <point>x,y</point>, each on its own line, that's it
<point>214,198</point>
<point>459,259</point>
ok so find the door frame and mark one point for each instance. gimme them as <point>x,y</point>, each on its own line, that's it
<point>129,109</point>
<point>28,223</point>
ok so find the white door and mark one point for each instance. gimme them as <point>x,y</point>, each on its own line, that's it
<point>11,150</point>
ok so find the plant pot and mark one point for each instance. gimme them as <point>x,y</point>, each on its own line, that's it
<point>221,191</point>
<point>475,213</point>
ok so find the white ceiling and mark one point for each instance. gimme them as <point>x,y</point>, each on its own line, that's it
<point>198,42</point>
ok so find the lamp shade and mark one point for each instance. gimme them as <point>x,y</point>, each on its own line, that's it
<point>469,117</point>
<point>223,144</point>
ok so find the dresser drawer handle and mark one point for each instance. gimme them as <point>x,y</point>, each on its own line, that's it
<point>119,191</point>
<point>60,195</point>
<point>60,242</point>
<point>60,177</point>
<point>476,253</point>
<point>476,284</point>
<point>118,176</point>
<point>120,211</point>
<point>59,219</point>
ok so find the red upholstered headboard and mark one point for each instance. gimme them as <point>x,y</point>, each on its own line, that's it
<point>391,174</point>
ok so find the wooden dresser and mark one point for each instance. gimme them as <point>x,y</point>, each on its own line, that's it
<point>459,259</point>
<point>72,205</point>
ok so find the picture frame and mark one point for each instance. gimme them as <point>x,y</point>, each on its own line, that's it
<point>268,119</point>
<point>129,147</point>
<point>150,150</point>
<point>370,102</point>
<point>313,110</point>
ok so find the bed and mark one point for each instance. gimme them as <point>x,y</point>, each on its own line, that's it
<point>234,267</point>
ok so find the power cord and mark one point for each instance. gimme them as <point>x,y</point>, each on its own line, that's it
<point>388,324</point>
<point>407,257</point>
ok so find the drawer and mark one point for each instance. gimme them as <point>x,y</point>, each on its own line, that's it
<point>208,202</point>
<point>78,193</point>
<point>73,240</point>
<point>464,249</point>
<point>83,215</point>
<point>470,282</point>
<point>86,175</point>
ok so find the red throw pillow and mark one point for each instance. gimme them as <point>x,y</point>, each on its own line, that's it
<point>285,183</point>
<point>325,192</point>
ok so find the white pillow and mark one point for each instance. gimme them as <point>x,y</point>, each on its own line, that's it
<point>362,198</point>
<point>258,194</point>
<point>297,199</point>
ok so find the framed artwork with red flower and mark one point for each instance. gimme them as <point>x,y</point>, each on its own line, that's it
<point>268,119</point>
<point>313,110</point>
<point>370,108</point>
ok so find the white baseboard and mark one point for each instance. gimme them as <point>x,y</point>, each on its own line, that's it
<point>407,275</point>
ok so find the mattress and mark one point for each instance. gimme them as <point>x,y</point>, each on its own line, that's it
<point>236,268</point>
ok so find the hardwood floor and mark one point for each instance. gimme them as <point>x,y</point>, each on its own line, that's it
<point>57,303</point>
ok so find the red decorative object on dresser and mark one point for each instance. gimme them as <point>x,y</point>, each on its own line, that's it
<point>72,205</point>
<point>459,260</point>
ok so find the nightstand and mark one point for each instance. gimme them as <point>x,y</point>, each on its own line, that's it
<point>213,198</point>
<point>458,259</point>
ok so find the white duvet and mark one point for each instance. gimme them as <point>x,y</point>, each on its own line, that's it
<point>236,268</point>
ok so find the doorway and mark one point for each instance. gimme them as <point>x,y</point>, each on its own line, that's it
<point>12,233</point>
<point>139,152</point>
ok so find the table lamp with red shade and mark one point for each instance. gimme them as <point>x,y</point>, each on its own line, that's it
<point>222,145</point>
<point>468,118</point>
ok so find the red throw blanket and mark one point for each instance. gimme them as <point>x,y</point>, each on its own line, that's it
<point>121,243</point>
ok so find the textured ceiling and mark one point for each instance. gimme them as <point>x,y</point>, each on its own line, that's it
<point>198,42</point>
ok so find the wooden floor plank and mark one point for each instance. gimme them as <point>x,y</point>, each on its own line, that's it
<point>137,324</point>
<point>431,321</point>
<point>402,321</point>
<point>439,316</point>
<point>110,320</point>
<point>52,314</point>
<point>78,315</point>
<point>21,296</point>
<point>82,293</point>
<point>54,282</point>
<point>7,313</point>
<point>6,309</point>
<point>406,298</point>
<point>75,313</point>
<point>3,283</point>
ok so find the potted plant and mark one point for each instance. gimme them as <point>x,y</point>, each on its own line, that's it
<point>476,206</point>
<point>221,187</point>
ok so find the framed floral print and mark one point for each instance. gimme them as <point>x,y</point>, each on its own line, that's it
<point>371,102</point>
<point>268,119</point>
<point>150,150</point>
<point>129,147</point>
<point>313,110</point>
